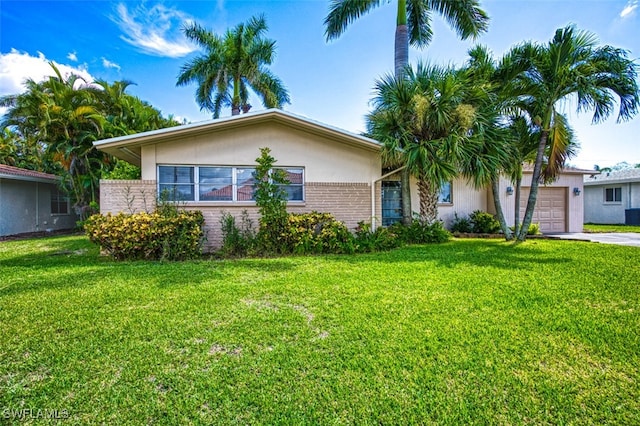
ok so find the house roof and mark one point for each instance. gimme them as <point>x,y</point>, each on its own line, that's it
<point>17,173</point>
<point>528,168</point>
<point>619,176</point>
<point>128,147</point>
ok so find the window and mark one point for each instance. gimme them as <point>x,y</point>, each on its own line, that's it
<point>613,195</point>
<point>59,202</point>
<point>295,188</point>
<point>445,193</point>
<point>212,183</point>
<point>176,183</point>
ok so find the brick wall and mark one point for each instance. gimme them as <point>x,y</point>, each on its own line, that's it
<point>128,196</point>
<point>348,202</point>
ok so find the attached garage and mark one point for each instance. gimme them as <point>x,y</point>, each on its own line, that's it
<point>551,208</point>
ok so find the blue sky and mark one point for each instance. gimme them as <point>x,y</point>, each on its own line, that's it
<point>329,82</point>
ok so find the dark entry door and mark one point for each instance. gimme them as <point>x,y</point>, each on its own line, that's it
<point>391,202</point>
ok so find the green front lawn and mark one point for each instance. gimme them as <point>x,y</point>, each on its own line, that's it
<point>596,228</point>
<point>468,332</point>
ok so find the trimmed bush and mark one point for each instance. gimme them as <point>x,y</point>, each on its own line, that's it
<point>148,236</point>
<point>484,223</point>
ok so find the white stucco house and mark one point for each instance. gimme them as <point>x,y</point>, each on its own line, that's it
<point>613,197</point>
<point>209,165</point>
<point>31,202</point>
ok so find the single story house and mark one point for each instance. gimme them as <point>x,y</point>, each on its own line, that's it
<point>208,166</point>
<point>613,197</point>
<point>31,202</point>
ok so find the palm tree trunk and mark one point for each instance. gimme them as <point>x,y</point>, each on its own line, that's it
<point>516,211</point>
<point>405,194</point>
<point>495,189</point>
<point>235,102</point>
<point>402,40</point>
<point>535,182</point>
<point>401,61</point>
<point>428,201</point>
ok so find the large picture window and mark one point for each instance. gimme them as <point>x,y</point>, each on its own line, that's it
<point>613,195</point>
<point>219,183</point>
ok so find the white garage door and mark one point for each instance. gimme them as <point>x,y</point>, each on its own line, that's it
<point>550,211</point>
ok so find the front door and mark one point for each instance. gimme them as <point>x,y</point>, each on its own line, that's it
<point>391,202</point>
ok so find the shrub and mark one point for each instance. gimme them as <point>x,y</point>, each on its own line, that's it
<point>316,233</point>
<point>271,201</point>
<point>421,232</point>
<point>534,229</point>
<point>379,240</point>
<point>461,224</point>
<point>150,236</point>
<point>237,240</point>
<point>484,223</point>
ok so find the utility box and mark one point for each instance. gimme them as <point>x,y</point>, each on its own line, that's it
<point>632,217</point>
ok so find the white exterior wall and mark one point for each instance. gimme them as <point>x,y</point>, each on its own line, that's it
<point>597,211</point>
<point>574,203</point>
<point>464,201</point>
<point>324,160</point>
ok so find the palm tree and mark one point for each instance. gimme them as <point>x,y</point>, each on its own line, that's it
<point>571,66</point>
<point>413,26</point>
<point>60,114</point>
<point>426,122</point>
<point>232,65</point>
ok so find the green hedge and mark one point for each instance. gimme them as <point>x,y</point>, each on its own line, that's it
<point>150,236</point>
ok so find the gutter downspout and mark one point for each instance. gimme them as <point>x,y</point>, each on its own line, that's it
<point>373,195</point>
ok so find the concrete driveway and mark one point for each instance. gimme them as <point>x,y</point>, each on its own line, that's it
<point>623,238</point>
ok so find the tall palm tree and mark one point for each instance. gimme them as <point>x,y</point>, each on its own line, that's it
<point>426,121</point>
<point>231,66</point>
<point>413,26</point>
<point>570,66</point>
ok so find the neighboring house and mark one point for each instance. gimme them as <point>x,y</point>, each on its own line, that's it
<point>208,166</point>
<point>31,202</point>
<point>612,197</point>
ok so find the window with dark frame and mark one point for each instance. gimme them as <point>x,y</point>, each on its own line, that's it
<point>613,195</point>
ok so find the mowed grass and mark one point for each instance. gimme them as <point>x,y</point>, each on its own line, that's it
<point>597,228</point>
<point>468,332</point>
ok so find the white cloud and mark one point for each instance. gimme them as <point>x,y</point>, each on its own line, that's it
<point>156,31</point>
<point>16,67</point>
<point>72,56</point>
<point>108,64</point>
<point>629,9</point>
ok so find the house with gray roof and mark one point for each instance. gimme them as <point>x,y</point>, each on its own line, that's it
<point>613,197</point>
<point>31,202</point>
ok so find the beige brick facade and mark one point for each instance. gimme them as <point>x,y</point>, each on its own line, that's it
<point>348,202</point>
<point>127,196</point>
